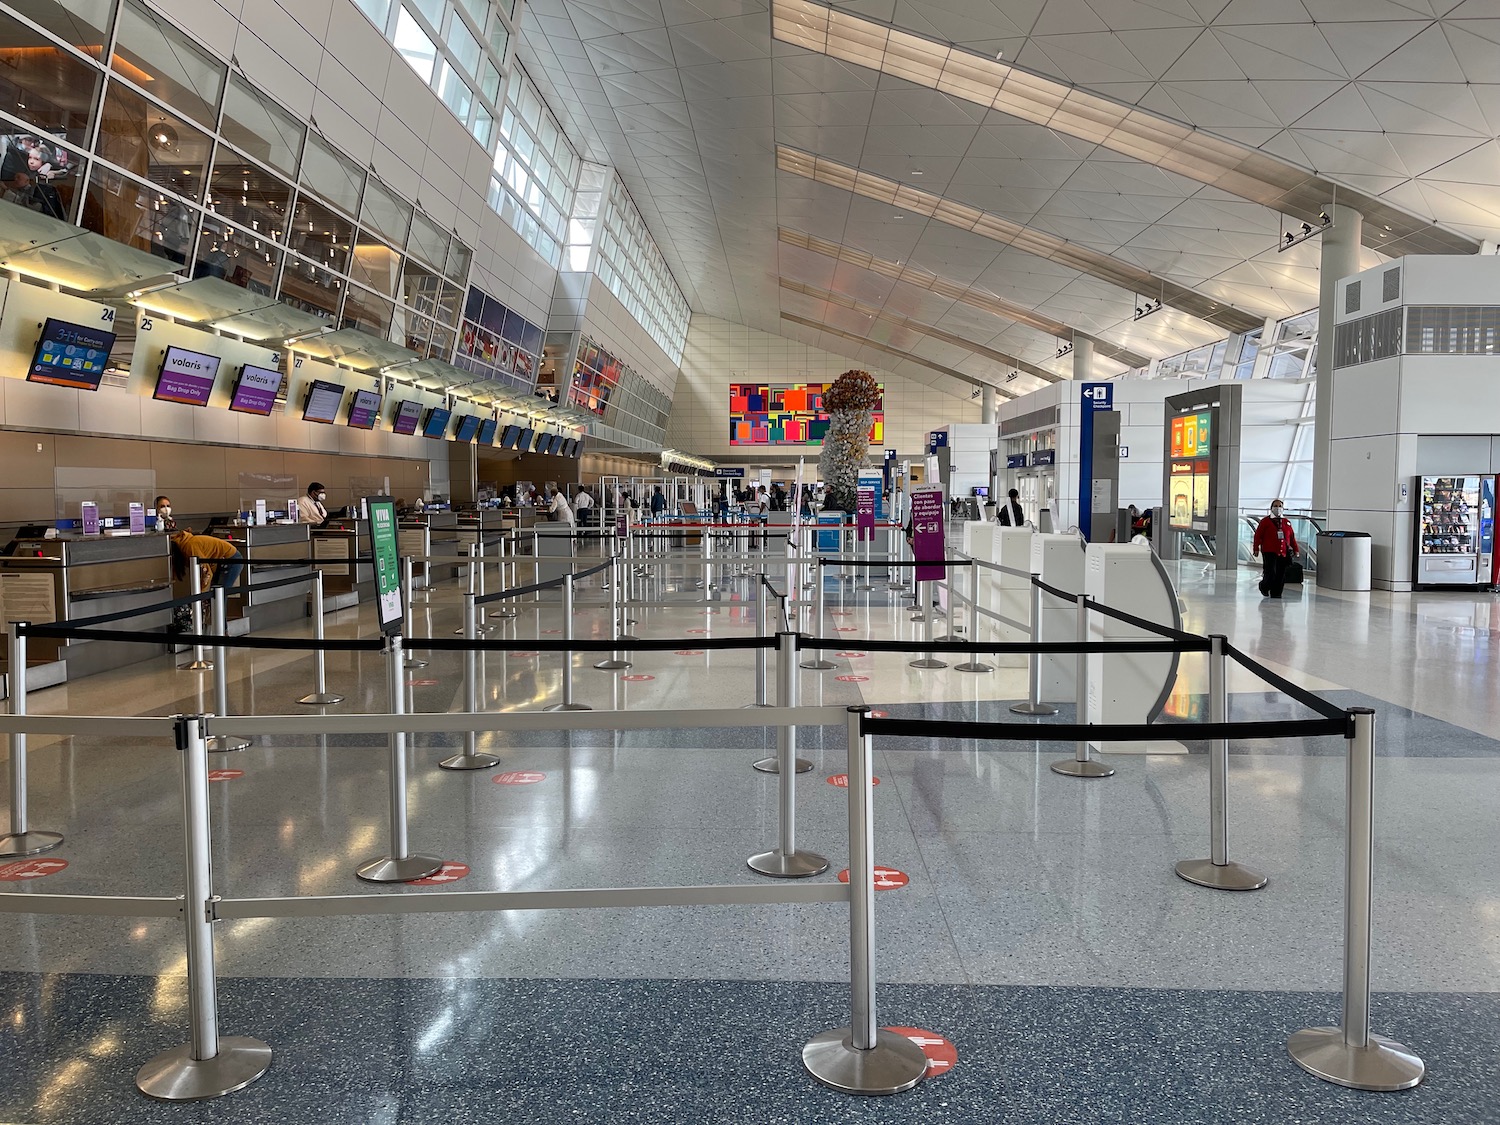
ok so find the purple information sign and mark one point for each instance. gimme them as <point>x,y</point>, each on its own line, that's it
<point>864,515</point>
<point>137,518</point>
<point>89,514</point>
<point>186,377</point>
<point>927,544</point>
<point>255,393</point>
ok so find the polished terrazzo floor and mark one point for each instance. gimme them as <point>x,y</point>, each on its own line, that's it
<point>1042,930</point>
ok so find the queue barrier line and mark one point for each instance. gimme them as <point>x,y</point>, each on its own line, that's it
<point>141,611</point>
<point>1111,732</point>
<point>1189,644</point>
<point>298,644</point>
<point>275,583</point>
<point>1281,683</point>
<point>103,906</point>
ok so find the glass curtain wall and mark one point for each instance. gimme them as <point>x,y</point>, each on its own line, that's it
<point>631,266</point>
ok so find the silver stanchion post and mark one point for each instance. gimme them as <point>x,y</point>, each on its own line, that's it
<point>973,664</point>
<point>208,1066</point>
<point>952,633</point>
<point>222,743</point>
<point>504,612</point>
<point>400,866</point>
<point>862,1058</point>
<point>892,555</point>
<point>929,659</point>
<point>199,663</point>
<point>615,663</point>
<point>762,630</point>
<point>816,624</point>
<point>1034,704</point>
<point>868,547</point>
<point>470,759</point>
<point>1350,1055</point>
<point>784,861</point>
<point>567,703</point>
<point>408,588</point>
<point>1216,871</point>
<point>21,839</point>
<point>322,696</point>
<point>786,696</point>
<point>1080,764</point>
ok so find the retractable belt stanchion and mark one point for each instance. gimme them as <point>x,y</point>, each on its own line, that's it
<point>868,546</point>
<point>1216,871</point>
<point>785,861</point>
<point>503,611</point>
<point>322,696</point>
<point>222,743</point>
<point>195,583</point>
<point>1350,1055</point>
<point>408,590</point>
<point>1034,704</point>
<point>615,662</point>
<point>207,1066</point>
<point>973,664</point>
<point>952,633</point>
<point>471,758</point>
<point>818,663</point>
<point>786,696</point>
<point>863,1058</point>
<point>929,659</point>
<point>473,576</point>
<point>893,554</point>
<point>762,629</point>
<point>567,703</point>
<point>399,866</point>
<point>21,839</point>
<point>1080,764</point>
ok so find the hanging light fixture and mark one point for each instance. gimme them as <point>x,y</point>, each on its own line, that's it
<point>163,136</point>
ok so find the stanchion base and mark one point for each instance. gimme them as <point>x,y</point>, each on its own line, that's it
<point>197,666</point>
<point>29,843</point>
<point>613,665</point>
<point>227,744</point>
<point>894,1064</point>
<point>503,614</point>
<point>321,699</point>
<point>568,707</point>
<point>413,665</point>
<point>1383,1065</point>
<point>926,662</point>
<point>748,706</point>
<point>864,587</point>
<point>771,765</point>
<point>817,665</point>
<point>175,1076</point>
<point>384,869</point>
<point>1072,767</point>
<point>1225,877</point>
<point>778,865</point>
<point>469,762</point>
<point>1029,708</point>
<point>972,666</point>
<point>948,637</point>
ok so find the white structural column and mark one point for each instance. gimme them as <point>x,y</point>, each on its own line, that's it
<point>1340,258</point>
<point>1083,359</point>
<point>987,402</point>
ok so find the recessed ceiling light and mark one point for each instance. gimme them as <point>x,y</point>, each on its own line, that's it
<point>899,215</point>
<point>918,172</point>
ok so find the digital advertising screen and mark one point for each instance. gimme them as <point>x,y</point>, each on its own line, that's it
<point>186,377</point>
<point>70,355</point>
<point>487,431</point>
<point>323,401</point>
<point>787,414</point>
<point>1190,476</point>
<point>436,425</point>
<point>364,410</point>
<point>408,412</point>
<point>468,426</point>
<point>255,390</point>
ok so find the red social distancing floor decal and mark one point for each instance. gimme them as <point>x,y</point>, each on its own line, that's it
<point>421,683</point>
<point>850,655</point>
<point>523,655</point>
<point>698,630</point>
<point>224,775</point>
<point>886,878</point>
<point>25,869</point>
<point>552,630</point>
<point>841,780</point>
<point>451,872</point>
<point>853,679</point>
<point>637,679</point>
<point>942,1056</point>
<point>880,714</point>
<point>847,628</point>
<point>690,652</point>
<point>519,777</point>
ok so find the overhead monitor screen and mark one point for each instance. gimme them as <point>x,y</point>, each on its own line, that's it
<point>487,431</point>
<point>408,413</point>
<point>436,425</point>
<point>508,437</point>
<point>70,355</point>
<point>364,410</point>
<point>255,390</point>
<point>523,443</point>
<point>468,426</point>
<point>186,377</point>
<point>323,401</point>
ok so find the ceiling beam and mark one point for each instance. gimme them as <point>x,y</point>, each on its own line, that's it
<point>972,380</point>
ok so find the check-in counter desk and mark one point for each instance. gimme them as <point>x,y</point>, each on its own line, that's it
<point>344,584</point>
<point>490,523</point>
<point>430,535</point>
<point>262,609</point>
<point>70,578</point>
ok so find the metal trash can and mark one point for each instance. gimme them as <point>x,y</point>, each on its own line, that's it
<point>1344,560</point>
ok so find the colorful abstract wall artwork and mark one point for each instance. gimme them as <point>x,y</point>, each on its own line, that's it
<point>786,414</point>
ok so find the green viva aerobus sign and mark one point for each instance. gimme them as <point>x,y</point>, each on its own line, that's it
<point>382,512</point>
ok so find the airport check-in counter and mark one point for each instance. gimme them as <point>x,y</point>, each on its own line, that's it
<point>69,578</point>
<point>261,609</point>
<point>345,584</point>
<point>429,534</point>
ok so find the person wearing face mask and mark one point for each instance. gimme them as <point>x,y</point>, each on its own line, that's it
<point>1277,544</point>
<point>310,508</point>
<point>164,520</point>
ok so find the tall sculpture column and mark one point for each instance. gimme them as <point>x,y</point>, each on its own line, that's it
<point>1340,258</point>
<point>987,401</point>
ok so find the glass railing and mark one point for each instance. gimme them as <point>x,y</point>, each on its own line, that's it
<point>1305,526</point>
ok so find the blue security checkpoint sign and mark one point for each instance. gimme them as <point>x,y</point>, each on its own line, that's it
<point>937,439</point>
<point>1093,397</point>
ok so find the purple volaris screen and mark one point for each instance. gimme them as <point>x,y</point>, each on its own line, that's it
<point>256,390</point>
<point>407,413</point>
<point>364,410</point>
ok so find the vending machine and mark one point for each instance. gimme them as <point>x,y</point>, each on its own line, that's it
<point>1489,562</point>
<point>1448,546</point>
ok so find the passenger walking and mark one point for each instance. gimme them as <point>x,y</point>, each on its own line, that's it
<point>1011,514</point>
<point>1276,543</point>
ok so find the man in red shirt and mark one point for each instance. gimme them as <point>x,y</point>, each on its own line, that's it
<point>1275,540</point>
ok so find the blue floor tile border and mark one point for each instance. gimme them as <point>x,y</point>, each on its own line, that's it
<point>420,1051</point>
